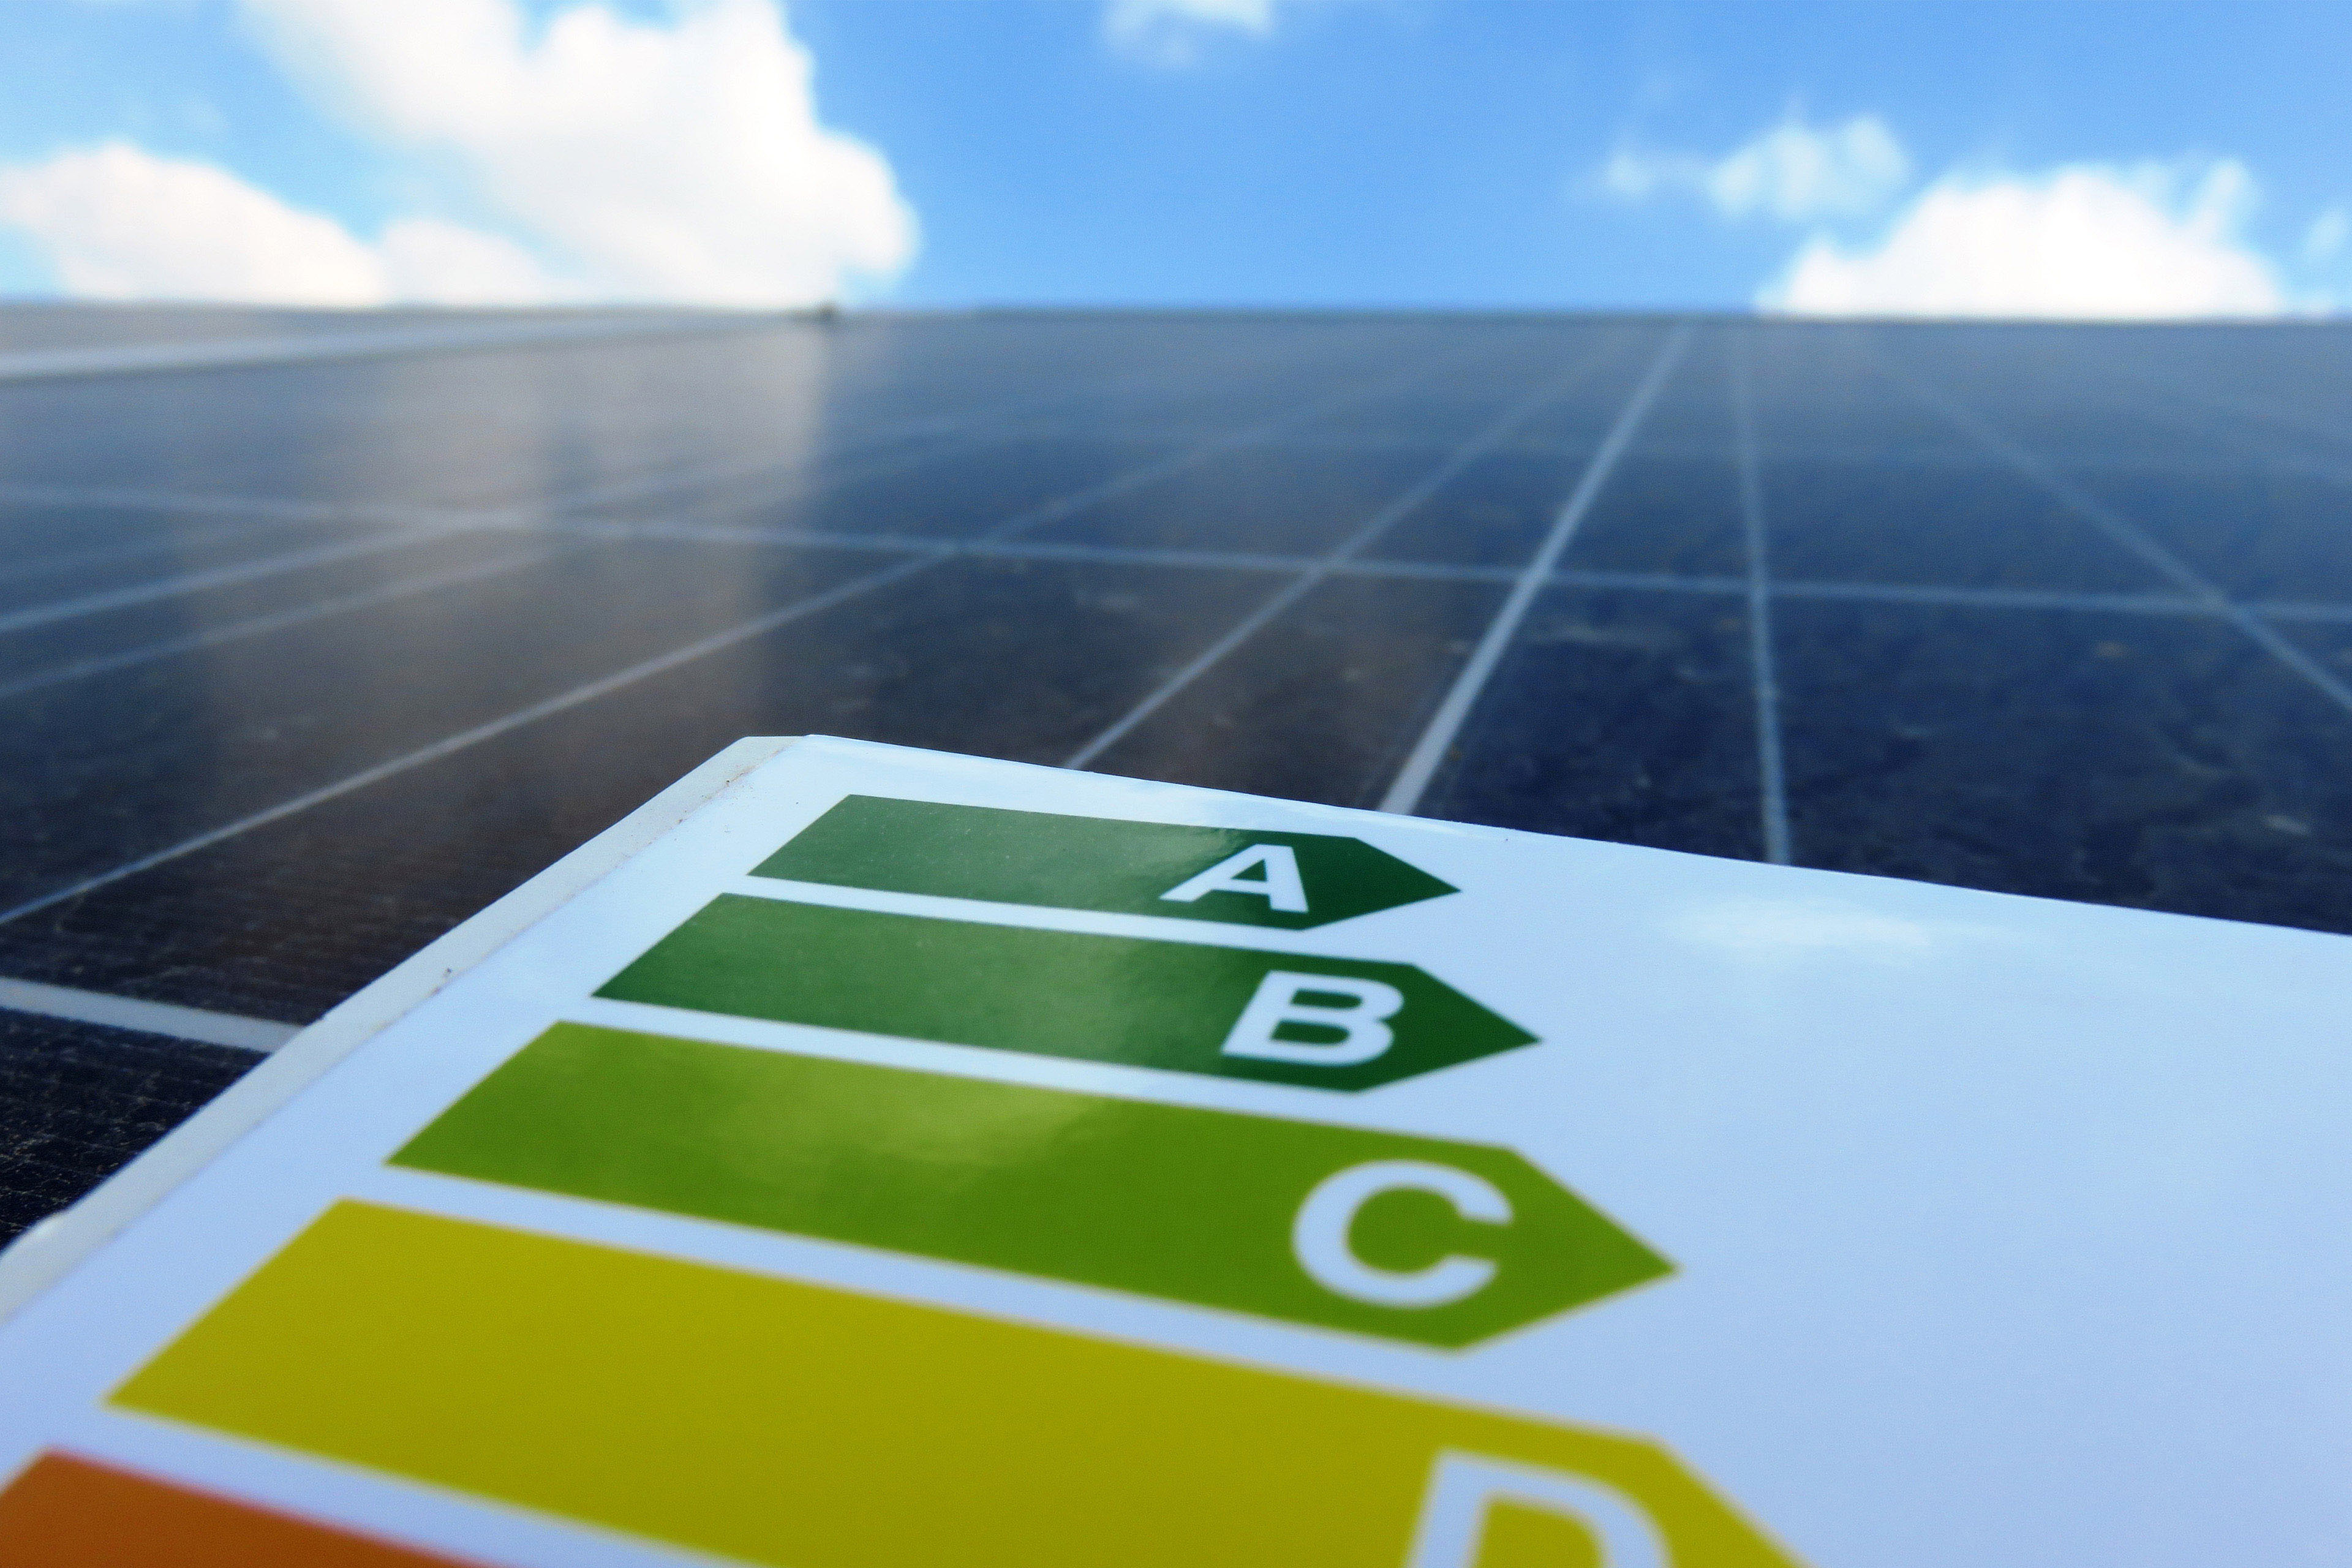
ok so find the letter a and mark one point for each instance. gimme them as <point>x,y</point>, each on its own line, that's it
<point>1277,882</point>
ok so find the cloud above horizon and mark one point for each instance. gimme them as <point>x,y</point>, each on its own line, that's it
<point>118,223</point>
<point>2084,241</point>
<point>1792,172</point>
<point>681,162</point>
<point>1173,32</point>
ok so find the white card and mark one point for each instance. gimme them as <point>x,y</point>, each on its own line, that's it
<point>864,1155</point>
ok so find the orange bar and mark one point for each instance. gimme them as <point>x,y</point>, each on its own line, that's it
<point>66,1512</point>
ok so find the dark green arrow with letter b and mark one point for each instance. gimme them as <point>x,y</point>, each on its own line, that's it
<point>1287,1017</point>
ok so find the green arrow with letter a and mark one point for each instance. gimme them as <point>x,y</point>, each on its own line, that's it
<point>1406,1237</point>
<point>1230,1012</point>
<point>1241,876</point>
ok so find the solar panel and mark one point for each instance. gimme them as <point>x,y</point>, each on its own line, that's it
<point>317,635</point>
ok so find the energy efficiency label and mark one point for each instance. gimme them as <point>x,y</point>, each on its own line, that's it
<point>865,1157</point>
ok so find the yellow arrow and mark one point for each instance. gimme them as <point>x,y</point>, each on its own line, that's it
<point>784,1423</point>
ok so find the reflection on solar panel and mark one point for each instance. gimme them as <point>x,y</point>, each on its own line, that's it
<point>317,635</point>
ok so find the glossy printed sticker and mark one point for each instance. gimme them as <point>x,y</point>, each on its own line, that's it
<point>1230,1012</point>
<point>1413,1238</point>
<point>1240,875</point>
<point>777,1422</point>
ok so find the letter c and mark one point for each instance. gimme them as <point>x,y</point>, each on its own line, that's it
<point>1319,1237</point>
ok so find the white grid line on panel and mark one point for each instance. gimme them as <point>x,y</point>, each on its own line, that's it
<point>671,482</point>
<point>949,434</point>
<point>1994,598</point>
<point>645,668</point>
<point>452,744</point>
<point>1772,780</point>
<point>2130,536</point>
<point>2259,413</point>
<point>226,353</point>
<point>974,428</point>
<point>1430,751</point>
<point>223,576</point>
<point>258,626</point>
<point>204,503</point>
<point>114,554</point>
<point>426,522</point>
<point>941,429</point>
<point>166,1018</point>
<point>1320,570</point>
<point>1243,560</point>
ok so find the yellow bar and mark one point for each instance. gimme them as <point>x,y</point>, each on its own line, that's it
<point>789,1424</point>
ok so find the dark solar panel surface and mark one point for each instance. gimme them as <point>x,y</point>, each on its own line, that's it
<point>301,665</point>
<point>80,1100</point>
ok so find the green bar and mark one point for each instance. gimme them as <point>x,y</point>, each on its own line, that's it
<point>1097,863</point>
<point>1188,1205</point>
<point>1170,1004</point>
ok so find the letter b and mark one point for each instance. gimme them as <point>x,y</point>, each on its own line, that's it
<point>1361,1023</point>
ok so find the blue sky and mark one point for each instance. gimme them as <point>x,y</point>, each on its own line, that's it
<point>2082,159</point>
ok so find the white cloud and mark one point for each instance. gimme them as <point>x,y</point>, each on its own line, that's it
<point>1796,172</point>
<point>1793,172</point>
<point>682,162</point>
<point>1637,173</point>
<point>2083,241</point>
<point>1169,32</point>
<point>118,223</point>
<point>2324,240</point>
<point>451,263</point>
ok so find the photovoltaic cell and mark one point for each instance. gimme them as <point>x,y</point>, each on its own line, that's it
<point>302,664</point>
